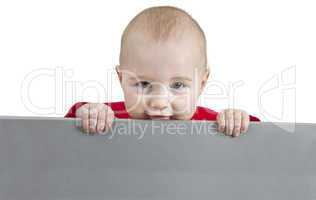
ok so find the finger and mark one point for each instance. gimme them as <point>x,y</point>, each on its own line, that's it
<point>237,123</point>
<point>101,123</point>
<point>93,116</point>
<point>79,114</point>
<point>109,120</point>
<point>245,120</point>
<point>229,121</point>
<point>85,120</point>
<point>221,122</point>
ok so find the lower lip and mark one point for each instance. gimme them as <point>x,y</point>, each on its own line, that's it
<point>159,117</point>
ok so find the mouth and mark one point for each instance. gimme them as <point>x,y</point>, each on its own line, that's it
<point>159,117</point>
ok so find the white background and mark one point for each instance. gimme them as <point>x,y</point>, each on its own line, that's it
<point>48,47</point>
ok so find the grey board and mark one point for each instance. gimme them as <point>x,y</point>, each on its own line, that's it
<point>51,159</point>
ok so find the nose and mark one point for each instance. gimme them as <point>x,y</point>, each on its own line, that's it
<point>158,98</point>
<point>158,103</point>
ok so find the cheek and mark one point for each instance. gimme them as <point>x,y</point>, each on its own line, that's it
<point>184,104</point>
<point>130,95</point>
<point>133,101</point>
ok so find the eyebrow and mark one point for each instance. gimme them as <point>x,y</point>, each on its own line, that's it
<point>174,78</point>
<point>182,77</point>
<point>138,77</point>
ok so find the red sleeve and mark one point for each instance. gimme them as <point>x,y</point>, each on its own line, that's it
<point>254,119</point>
<point>72,111</point>
<point>203,113</point>
<point>251,118</point>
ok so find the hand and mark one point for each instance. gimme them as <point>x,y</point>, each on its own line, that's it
<point>96,117</point>
<point>232,122</point>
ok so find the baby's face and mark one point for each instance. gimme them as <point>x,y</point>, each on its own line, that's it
<point>161,80</point>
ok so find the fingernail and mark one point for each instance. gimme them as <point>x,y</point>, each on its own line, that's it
<point>102,132</point>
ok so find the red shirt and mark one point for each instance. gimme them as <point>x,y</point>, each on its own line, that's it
<point>119,110</point>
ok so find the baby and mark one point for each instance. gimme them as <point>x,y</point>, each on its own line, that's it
<point>163,70</point>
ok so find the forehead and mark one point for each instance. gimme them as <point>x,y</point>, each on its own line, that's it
<point>173,57</point>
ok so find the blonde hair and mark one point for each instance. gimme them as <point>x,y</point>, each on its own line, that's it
<point>162,23</point>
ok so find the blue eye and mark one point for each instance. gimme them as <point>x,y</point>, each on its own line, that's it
<point>142,84</point>
<point>178,85</point>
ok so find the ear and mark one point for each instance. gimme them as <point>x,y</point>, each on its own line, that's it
<point>204,79</point>
<point>119,74</point>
